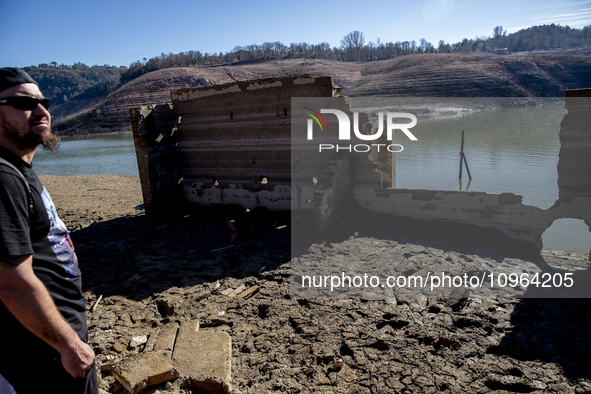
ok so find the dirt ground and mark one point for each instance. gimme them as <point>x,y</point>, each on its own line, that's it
<point>153,270</point>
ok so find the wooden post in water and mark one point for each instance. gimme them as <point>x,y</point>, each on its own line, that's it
<point>463,159</point>
<point>461,154</point>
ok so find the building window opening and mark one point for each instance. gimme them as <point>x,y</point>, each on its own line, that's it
<point>570,235</point>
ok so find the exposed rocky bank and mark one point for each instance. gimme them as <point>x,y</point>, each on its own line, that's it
<point>152,271</point>
<point>426,75</point>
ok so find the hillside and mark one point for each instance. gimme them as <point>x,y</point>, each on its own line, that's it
<point>441,75</point>
<point>457,75</point>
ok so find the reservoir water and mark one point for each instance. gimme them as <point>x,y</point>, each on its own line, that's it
<point>112,154</point>
<point>507,150</point>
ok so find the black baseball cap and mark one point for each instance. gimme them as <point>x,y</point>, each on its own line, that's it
<point>12,76</point>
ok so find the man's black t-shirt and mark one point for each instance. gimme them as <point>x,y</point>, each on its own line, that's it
<point>40,232</point>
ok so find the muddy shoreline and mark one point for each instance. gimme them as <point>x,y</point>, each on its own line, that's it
<point>151,271</point>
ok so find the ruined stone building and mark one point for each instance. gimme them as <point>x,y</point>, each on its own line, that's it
<point>232,144</point>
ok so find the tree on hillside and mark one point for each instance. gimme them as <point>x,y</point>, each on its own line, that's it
<point>443,47</point>
<point>61,83</point>
<point>498,37</point>
<point>352,44</point>
<point>426,47</point>
<point>499,32</point>
<point>353,48</point>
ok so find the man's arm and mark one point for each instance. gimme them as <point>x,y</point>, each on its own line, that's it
<point>28,300</point>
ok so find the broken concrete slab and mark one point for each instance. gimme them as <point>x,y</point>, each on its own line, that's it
<point>142,371</point>
<point>152,339</point>
<point>227,291</point>
<point>165,342</point>
<point>249,292</point>
<point>205,357</point>
<point>239,290</point>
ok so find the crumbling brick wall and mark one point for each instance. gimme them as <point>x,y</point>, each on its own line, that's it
<point>155,144</point>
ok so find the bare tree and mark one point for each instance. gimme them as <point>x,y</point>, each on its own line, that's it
<point>499,36</point>
<point>426,47</point>
<point>499,32</point>
<point>352,44</point>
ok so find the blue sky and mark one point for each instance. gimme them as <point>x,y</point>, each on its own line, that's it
<point>121,32</point>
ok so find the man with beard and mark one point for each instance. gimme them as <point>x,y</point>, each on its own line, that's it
<point>42,309</point>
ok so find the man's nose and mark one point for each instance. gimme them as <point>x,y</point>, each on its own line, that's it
<point>41,111</point>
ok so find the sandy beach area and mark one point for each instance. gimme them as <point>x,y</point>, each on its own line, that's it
<point>150,271</point>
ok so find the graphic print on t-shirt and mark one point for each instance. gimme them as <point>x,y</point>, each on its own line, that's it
<point>59,238</point>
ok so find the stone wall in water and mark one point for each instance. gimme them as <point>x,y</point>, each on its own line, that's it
<point>230,144</point>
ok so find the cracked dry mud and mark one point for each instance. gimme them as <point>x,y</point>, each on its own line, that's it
<point>151,271</point>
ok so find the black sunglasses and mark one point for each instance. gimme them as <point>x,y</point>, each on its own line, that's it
<point>25,103</point>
